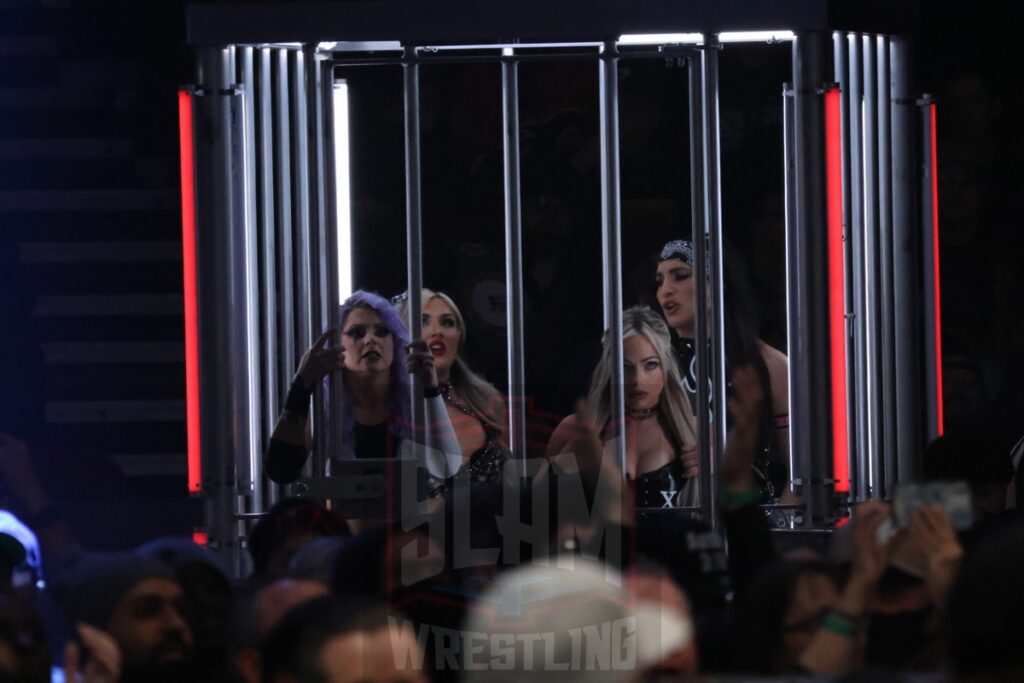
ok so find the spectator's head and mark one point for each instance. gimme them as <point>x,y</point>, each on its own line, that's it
<point>687,553</point>
<point>664,622</point>
<point>289,525</point>
<point>206,601</point>
<point>963,393</point>
<point>982,630</point>
<point>341,641</point>
<point>20,565</point>
<point>574,614</point>
<point>382,560</point>
<point>139,603</point>
<point>977,458</point>
<point>258,616</point>
<point>23,653</point>
<point>780,612</point>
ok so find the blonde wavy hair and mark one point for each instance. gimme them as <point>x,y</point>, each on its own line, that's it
<point>476,391</point>
<point>673,406</point>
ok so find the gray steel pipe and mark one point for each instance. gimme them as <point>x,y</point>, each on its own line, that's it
<point>705,431</point>
<point>611,237</point>
<point>906,249</point>
<point>514,261</point>
<point>714,268</point>
<point>300,134</point>
<point>221,329</point>
<point>872,298</point>
<point>885,254</point>
<point>316,256</point>
<point>413,213</point>
<point>287,358</point>
<point>854,141</point>
<point>810,400</point>
<point>272,388</point>
<point>250,471</point>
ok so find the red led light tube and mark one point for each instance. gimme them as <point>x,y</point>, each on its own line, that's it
<point>836,289</point>
<point>188,246</point>
<point>935,260</point>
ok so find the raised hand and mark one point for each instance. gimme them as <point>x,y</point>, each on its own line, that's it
<point>870,556</point>
<point>103,664</point>
<point>320,360</point>
<point>420,362</point>
<point>691,461</point>
<point>932,533</point>
<point>18,475</point>
<point>741,446</point>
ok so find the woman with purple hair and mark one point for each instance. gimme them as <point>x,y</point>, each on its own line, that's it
<point>375,420</point>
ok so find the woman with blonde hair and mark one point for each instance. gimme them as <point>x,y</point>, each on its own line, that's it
<point>475,408</point>
<point>659,430</point>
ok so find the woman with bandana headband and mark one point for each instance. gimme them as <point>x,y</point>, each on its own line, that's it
<point>677,298</point>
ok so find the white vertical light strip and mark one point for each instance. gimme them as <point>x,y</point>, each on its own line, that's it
<point>342,191</point>
<point>788,214</point>
<point>868,341</point>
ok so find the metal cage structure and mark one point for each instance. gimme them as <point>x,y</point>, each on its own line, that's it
<point>261,207</point>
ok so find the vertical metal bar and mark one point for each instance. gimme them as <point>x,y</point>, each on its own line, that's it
<point>708,463</point>
<point>514,259</point>
<point>413,209</point>
<point>302,228</point>
<point>906,274</point>
<point>842,77</point>
<point>611,229</point>
<point>218,319</point>
<point>872,302</point>
<point>332,421</point>
<point>810,405</point>
<point>315,256</point>
<point>272,389</point>
<point>283,181</point>
<point>854,267</point>
<point>889,405</point>
<point>929,258</point>
<point>789,179</point>
<point>318,153</point>
<point>252,481</point>
<point>714,270</point>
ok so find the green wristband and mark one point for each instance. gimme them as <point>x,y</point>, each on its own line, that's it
<point>733,500</point>
<point>840,626</point>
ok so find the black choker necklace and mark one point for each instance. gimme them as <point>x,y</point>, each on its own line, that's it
<point>448,393</point>
<point>642,413</point>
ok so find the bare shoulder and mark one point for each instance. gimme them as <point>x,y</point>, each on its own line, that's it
<point>570,428</point>
<point>778,372</point>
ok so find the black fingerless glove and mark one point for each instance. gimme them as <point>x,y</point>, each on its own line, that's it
<point>297,401</point>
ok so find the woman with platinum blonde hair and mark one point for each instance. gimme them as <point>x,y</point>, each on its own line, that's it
<point>659,431</point>
<point>475,408</point>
